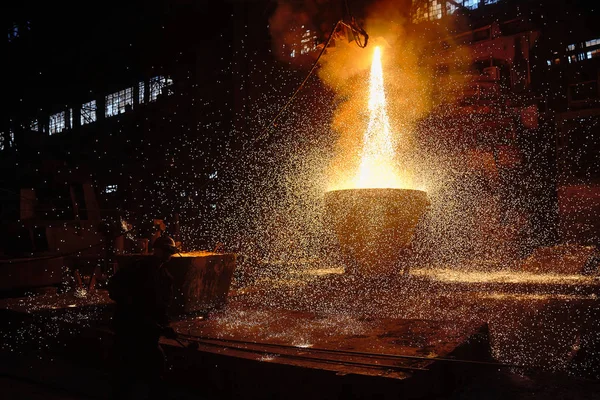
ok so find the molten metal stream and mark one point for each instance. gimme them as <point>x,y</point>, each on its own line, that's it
<point>375,215</point>
<point>377,168</point>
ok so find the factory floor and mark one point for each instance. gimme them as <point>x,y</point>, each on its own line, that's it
<point>94,384</point>
<point>47,377</point>
<point>506,385</point>
<point>18,389</point>
<point>564,314</point>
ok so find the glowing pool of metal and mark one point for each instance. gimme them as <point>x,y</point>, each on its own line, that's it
<point>374,226</point>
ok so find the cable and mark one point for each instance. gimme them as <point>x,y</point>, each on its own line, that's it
<point>354,28</point>
<point>347,8</point>
<point>299,87</point>
<point>286,105</point>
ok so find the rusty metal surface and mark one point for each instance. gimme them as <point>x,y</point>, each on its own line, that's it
<point>341,344</point>
<point>333,342</point>
<point>201,281</point>
<point>565,259</point>
<point>373,226</point>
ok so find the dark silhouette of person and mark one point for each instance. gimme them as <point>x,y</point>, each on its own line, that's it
<point>142,293</point>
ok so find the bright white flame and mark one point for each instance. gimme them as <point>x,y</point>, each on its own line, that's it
<point>377,167</point>
<point>377,161</point>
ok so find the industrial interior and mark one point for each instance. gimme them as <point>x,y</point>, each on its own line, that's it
<point>358,198</point>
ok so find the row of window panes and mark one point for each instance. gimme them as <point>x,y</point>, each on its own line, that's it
<point>429,10</point>
<point>157,84</point>
<point>4,143</point>
<point>593,53</point>
<point>304,42</point>
<point>309,43</point>
<point>419,15</point>
<point>435,9</point>
<point>88,112</point>
<point>111,188</point>
<point>581,56</point>
<point>57,123</point>
<point>115,103</point>
<point>593,42</point>
<point>471,4</point>
<point>588,43</point>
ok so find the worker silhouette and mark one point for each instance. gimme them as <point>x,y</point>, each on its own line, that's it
<point>143,293</point>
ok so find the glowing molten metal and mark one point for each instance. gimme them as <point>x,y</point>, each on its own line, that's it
<point>376,167</point>
<point>375,215</point>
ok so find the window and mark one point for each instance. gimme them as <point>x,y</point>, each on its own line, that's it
<point>141,92</point>
<point>116,102</point>
<point>7,141</point>
<point>88,112</point>
<point>593,54</point>
<point>430,10</point>
<point>471,4</point>
<point>450,8</point>
<point>571,47</point>
<point>308,42</point>
<point>57,123</point>
<point>593,42</point>
<point>111,189</point>
<point>435,9</point>
<point>420,13</point>
<point>13,32</point>
<point>305,37</point>
<point>157,84</point>
<point>34,126</point>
